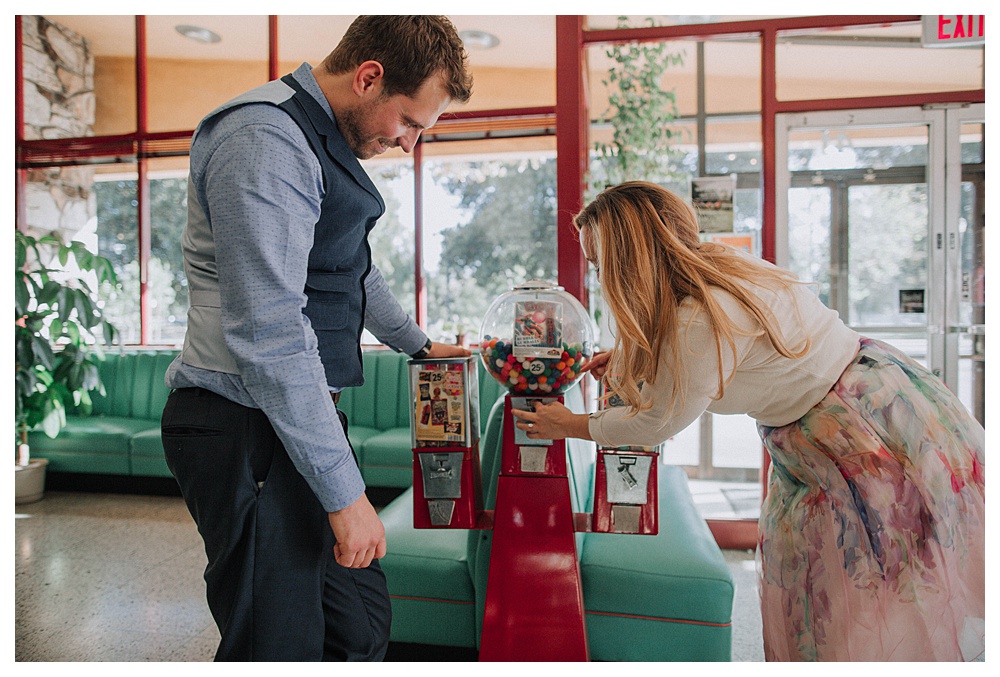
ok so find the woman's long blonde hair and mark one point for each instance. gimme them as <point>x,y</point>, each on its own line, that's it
<point>650,259</point>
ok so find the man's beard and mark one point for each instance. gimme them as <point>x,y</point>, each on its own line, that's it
<point>352,126</point>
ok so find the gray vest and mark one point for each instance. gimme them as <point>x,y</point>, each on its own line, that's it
<point>339,261</point>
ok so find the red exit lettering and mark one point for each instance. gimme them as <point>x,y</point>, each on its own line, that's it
<point>961,26</point>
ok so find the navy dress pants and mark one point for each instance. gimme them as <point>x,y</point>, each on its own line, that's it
<point>273,586</point>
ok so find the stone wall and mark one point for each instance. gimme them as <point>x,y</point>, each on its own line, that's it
<point>58,103</point>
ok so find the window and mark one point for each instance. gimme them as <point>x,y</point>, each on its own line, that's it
<point>490,224</point>
<point>391,241</point>
<point>871,61</point>
<point>117,232</point>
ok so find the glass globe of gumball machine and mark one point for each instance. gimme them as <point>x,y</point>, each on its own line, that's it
<point>535,340</point>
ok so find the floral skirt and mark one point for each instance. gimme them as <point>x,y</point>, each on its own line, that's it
<point>872,539</point>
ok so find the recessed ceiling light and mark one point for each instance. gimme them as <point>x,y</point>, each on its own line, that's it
<point>479,39</point>
<point>198,34</point>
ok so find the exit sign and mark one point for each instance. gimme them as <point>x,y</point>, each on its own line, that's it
<point>947,30</point>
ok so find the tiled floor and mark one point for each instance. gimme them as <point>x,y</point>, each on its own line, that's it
<point>106,577</point>
<point>726,500</point>
<point>118,577</point>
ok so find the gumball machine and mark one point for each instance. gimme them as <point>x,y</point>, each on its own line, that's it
<point>535,340</point>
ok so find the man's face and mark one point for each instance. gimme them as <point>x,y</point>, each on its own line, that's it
<point>382,122</point>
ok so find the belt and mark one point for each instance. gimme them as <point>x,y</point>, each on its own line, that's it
<point>335,397</point>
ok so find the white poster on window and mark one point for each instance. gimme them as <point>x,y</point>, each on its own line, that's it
<point>712,198</point>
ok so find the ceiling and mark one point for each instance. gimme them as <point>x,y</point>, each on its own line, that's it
<point>526,41</point>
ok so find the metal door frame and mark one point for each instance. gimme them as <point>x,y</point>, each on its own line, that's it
<point>955,116</point>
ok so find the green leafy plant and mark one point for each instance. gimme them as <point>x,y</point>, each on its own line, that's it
<point>641,112</point>
<point>58,328</point>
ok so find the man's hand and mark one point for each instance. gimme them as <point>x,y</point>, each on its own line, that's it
<point>360,534</point>
<point>439,350</point>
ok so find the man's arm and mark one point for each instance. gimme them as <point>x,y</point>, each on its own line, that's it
<point>386,319</point>
<point>360,534</point>
<point>390,324</point>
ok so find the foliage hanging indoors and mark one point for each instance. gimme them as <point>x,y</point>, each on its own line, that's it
<point>641,112</point>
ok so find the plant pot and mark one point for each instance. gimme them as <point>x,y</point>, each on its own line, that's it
<point>29,481</point>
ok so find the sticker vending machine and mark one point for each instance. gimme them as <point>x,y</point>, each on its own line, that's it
<point>444,412</point>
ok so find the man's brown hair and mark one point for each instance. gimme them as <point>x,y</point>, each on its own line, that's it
<point>410,49</point>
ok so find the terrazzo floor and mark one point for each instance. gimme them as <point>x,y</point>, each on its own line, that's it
<point>118,577</point>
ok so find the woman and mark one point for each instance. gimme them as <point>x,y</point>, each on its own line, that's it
<point>872,533</point>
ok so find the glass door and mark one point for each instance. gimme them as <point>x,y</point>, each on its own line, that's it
<point>878,220</point>
<point>965,218</point>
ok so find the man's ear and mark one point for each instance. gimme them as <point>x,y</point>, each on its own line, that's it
<point>368,78</point>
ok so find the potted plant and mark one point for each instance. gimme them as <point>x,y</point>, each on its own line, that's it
<point>58,327</point>
<point>459,327</point>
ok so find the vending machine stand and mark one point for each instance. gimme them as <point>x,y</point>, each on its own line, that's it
<point>534,595</point>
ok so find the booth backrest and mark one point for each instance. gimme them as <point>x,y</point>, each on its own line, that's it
<point>134,388</point>
<point>133,383</point>
<point>383,401</point>
<point>490,391</point>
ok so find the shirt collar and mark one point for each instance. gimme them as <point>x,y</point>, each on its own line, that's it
<point>303,74</point>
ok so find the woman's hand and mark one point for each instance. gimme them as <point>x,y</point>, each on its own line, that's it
<point>551,421</point>
<point>598,364</point>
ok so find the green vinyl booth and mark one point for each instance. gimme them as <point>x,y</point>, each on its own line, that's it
<point>121,436</point>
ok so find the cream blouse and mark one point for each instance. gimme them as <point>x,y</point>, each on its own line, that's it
<point>772,389</point>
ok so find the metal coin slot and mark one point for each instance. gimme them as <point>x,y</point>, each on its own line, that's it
<point>627,478</point>
<point>442,474</point>
<point>623,471</point>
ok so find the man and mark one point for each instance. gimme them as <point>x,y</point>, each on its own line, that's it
<point>281,287</point>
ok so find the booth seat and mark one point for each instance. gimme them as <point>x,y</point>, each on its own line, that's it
<point>667,597</point>
<point>122,434</point>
